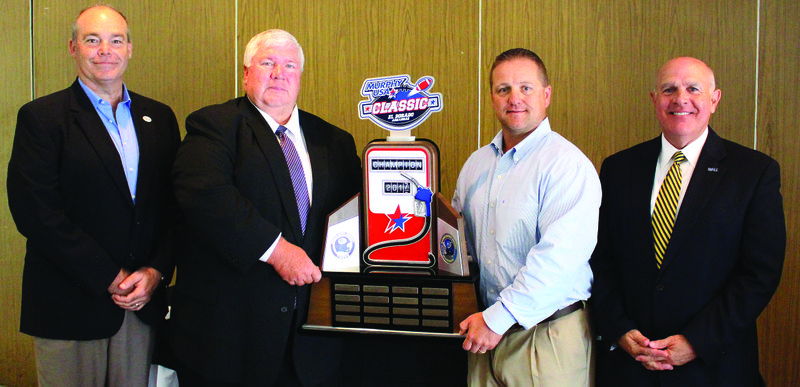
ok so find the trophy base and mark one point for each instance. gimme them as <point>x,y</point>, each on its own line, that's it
<point>391,304</point>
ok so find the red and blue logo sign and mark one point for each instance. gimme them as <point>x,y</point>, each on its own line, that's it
<point>396,104</point>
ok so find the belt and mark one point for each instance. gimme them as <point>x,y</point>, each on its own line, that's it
<point>577,305</point>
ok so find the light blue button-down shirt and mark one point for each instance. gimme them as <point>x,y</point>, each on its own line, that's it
<point>531,222</point>
<point>120,128</point>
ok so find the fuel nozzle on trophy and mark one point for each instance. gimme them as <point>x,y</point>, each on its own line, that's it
<point>394,255</point>
<point>422,199</point>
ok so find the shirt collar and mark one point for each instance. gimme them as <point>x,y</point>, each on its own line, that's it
<point>293,125</point>
<point>97,101</point>
<point>690,151</point>
<point>527,145</point>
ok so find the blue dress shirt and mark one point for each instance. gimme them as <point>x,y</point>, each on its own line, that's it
<point>120,128</point>
<point>531,223</point>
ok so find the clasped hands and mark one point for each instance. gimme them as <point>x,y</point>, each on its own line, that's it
<point>132,291</point>
<point>659,355</point>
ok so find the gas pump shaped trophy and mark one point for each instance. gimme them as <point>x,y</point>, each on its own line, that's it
<point>394,259</point>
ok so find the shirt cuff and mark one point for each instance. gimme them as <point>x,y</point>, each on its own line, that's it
<point>498,318</point>
<point>269,251</point>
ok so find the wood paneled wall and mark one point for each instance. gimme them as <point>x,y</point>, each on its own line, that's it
<point>348,41</point>
<point>16,350</point>
<point>184,52</point>
<point>776,135</point>
<point>602,58</point>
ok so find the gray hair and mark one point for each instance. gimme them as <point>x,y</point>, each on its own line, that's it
<point>273,37</point>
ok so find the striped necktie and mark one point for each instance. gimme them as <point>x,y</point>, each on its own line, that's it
<point>298,176</point>
<point>666,205</point>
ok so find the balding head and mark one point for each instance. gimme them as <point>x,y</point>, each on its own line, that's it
<point>684,97</point>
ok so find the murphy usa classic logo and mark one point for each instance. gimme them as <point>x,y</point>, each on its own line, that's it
<point>396,104</point>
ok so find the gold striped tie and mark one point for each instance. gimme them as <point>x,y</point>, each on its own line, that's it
<point>666,204</point>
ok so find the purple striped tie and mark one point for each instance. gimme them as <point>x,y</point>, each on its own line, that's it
<point>298,176</point>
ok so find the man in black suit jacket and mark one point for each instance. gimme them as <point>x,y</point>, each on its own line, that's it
<point>246,263</point>
<point>691,322</point>
<point>89,187</point>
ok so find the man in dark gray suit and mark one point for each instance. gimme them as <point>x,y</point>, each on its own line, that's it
<point>676,297</point>
<point>89,187</point>
<point>256,178</point>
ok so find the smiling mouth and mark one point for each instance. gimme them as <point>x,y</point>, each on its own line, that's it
<point>681,113</point>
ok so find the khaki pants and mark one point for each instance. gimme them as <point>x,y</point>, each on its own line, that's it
<point>121,360</point>
<point>553,354</point>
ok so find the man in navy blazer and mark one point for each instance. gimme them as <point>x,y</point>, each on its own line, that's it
<point>89,187</point>
<point>245,264</point>
<point>691,322</point>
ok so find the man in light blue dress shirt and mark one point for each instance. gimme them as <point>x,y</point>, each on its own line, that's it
<point>530,201</point>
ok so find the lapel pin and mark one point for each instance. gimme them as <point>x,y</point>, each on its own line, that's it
<point>711,169</point>
<point>147,119</point>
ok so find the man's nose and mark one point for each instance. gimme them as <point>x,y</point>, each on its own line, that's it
<point>277,72</point>
<point>514,96</point>
<point>103,48</point>
<point>680,96</point>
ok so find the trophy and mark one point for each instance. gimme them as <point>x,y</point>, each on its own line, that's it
<point>394,259</point>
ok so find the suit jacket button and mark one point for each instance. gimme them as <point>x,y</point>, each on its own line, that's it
<point>660,287</point>
<point>284,309</point>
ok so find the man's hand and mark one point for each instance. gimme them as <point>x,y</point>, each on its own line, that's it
<point>480,338</point>
<point>134,292</point>
<point>293,265</point>
<point>678,352</point>
<point>638,346</point>
<point>114,287</point>
<point>660,355</point>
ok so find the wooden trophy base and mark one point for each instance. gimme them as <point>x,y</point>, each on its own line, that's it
<point>391,304</point>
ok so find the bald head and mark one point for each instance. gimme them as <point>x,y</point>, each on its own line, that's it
<point>686,62</point>
<point>685,97</point>
<point>100,9</point>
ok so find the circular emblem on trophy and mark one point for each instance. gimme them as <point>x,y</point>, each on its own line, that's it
<point>447,248</point>
<point>343,245</point>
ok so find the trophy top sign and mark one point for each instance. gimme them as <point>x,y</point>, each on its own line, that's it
<point>397,105</point>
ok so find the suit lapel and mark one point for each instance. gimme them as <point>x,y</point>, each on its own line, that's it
<point>145,137</point>
<point>92,126</point>
<point>318,155</point>
<point>644,174</point>
<point>707,174</point>
<point>271,149</point>
<point>644,167</point>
